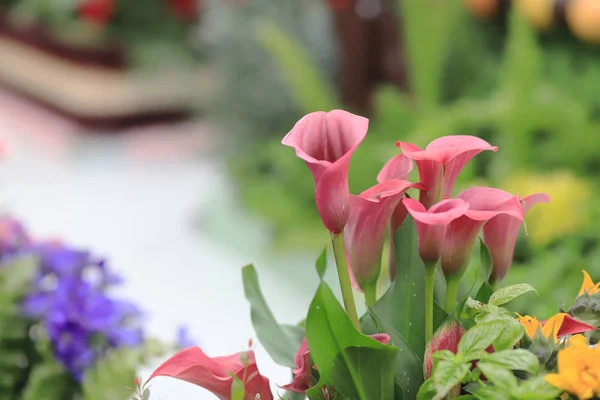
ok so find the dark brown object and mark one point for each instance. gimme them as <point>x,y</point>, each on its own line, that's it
<point>371,53</point>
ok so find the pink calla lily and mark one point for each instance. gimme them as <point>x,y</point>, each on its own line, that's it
<point>326,142</point>
<point>193,366</point>
<point>398,167</point>
<point>441,161</point>
<point>433,223</point>
<point>484,204</point>
<point>370,213</point>
<point>303,379</point>
<point>500,236</point>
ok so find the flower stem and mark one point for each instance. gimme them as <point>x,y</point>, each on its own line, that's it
<point>344,275</point>
<point>370,294</point>
<point>429,284</point>
<point>452,286</point>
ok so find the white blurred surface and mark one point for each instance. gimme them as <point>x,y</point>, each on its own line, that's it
<point>134,198</point>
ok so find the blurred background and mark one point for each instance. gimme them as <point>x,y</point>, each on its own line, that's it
<point>151,134</point>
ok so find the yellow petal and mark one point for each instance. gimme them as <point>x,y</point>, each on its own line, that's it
<point>531,324</point>
<point>588,285</point>
<point>552,326</point>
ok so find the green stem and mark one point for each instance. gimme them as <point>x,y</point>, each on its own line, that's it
<point>370,292</point>
<point>342,268</point>
<point>429,284</point>
<point>452,286</point>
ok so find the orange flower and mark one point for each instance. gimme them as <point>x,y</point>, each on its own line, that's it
<point>561,324</point>
<point>578,369</point>
<point>588,285</point>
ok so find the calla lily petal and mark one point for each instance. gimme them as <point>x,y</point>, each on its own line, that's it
<point>398,167</point>
<point>441,161</point>
<point>193,366</point>
<point>500,236</point>
<point>326,142</point>
<point>484,204</point>
<point>365,231</point>
<point>433,223</point>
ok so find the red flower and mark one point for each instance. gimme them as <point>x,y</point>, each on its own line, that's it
<point>432,225</point>
<point>370,213</point>
<point>441,162</point>
<point>184,9</point>
<point>193,366</point>
<point>326,142</point>
<point>484,204</point>
<point>98,12</point>
<point>500,236</point>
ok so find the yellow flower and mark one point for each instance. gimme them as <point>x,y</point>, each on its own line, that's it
<point>578,369</point>
<point>588,285</point>
<point>549,329</point>
<point>567,213</point>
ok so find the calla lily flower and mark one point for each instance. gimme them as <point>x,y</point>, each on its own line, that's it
<point>303,379</point>
<point>432,225</point>
<point>484,204</point>
<point>500,236</point>
<point>559,325</point>
<point>588,286</point>
<point>370,212</point>
<point>326,142</point>
<point>397,168</point>
<point>441,161</point>
<point>446,337</point>
<point>193,366</point>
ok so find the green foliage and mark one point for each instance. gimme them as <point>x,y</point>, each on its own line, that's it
<point>321,264</point>
<point>280,341</point>
<point>49,381</point>
<point>112,375</point>
<point>19,355</point>
<point>358,366</point>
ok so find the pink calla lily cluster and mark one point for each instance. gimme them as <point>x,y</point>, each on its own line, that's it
<point>447,228</point>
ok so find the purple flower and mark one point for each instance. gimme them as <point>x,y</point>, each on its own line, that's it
<point>184,340</point>
<point>14,238</point>
<point>71,300</point>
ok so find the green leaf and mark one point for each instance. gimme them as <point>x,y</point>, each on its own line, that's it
<point>497,374</point>
<point>484,293</point>
<point>403,305</point>
<point>536,389</point>
<point>509,293</point>
<point>280,341</point>
<point>486,261</point>
<point>111,375</point>
<point>426,391</point>
<point>341,353</point>
<point>16,275</point>
<point>491,393</point>
<point>238,391</point>
<point>146,394</point>
<point>447,375</point>
<point>480,337</point>
<point>322,263</point>
<point>49,381</point>
<point>516,360</point>
<point>511,334</point>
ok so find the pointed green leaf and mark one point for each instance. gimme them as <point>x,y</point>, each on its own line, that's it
<point>509,293</point>
<point>280,341</point>
<point>484,293</point>
<point>486,261</point>
<point>340,352</point>
<point>146,394</point>
<point>497,374</point>
<point>511,334</point>
<point>322,263</point>
<point>516,360</point>
<point>238,391</point>
<point>447,375</point>
<point>480,337</point>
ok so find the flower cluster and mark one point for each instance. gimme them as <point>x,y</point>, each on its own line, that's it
<point>446,229</point>
<point>82,320</point>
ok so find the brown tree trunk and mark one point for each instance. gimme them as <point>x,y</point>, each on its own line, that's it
<point>371,51</point>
